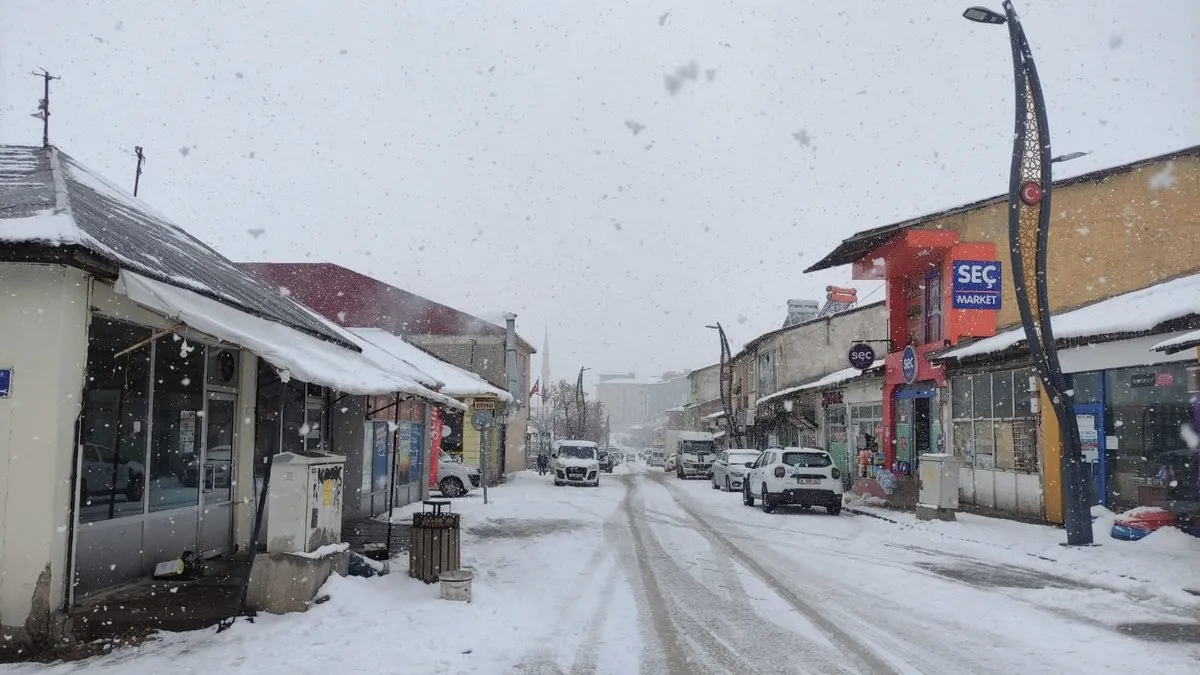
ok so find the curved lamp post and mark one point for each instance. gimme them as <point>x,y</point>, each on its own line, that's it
<point>727,387</point>
<point>1029,190</point>
<point>581,404</point>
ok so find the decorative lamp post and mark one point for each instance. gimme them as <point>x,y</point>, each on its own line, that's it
<point>731,437</point>
<point>1029,190</point>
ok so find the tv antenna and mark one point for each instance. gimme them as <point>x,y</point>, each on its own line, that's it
<point>141,159</point>
<point>43,112</point>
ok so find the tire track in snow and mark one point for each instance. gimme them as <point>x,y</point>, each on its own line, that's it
<point>726,632</point>
<point>866,659</point>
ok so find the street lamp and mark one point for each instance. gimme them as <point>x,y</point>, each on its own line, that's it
<point>1029,188</point>
<point>726,388</point>
<point>581,404</point>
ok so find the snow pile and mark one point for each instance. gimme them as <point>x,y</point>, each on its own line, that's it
<point>323,551</point>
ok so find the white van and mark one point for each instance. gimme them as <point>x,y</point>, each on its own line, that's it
<point>575,463</point>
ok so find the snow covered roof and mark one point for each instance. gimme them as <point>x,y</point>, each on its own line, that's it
<point>48,199</point>
<point>1136,312</point>
<point>447,377</point>
<point>677,408</point>
<point>836,377</point>
<point>1178,343</point>
<point>715,416</point>
<point>294,353</point>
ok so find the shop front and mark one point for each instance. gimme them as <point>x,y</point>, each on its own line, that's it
<point>1132,423</point>
<point>786,419</point>
<point>852,416</point>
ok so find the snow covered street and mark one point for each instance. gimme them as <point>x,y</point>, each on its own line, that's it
<point>651,574</point>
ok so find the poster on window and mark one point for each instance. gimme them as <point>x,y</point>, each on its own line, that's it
<point>403,453</point>
<point>416,443</point>
<point>187,430</point>
<point>379,456</point>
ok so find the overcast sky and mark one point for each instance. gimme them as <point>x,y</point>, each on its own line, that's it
<point>621,172</point>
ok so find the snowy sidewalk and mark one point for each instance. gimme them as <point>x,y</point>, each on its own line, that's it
<point>1161,566</point>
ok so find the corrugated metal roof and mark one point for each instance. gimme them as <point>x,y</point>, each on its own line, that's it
<point>48,199</point>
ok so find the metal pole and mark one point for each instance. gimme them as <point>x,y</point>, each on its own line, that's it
<point>483,460</point>
<point>1030,185</point>
<point>387,545</point>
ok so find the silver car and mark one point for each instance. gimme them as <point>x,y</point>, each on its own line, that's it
<point>730,468</point>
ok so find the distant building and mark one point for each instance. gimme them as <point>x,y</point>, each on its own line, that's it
<point>629,401</point>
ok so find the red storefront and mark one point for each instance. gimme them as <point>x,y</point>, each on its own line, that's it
<point>918,267</point>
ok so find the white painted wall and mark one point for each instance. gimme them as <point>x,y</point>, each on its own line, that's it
<point>43,337</point>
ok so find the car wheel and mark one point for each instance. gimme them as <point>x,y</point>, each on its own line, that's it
<point>834,509</point>
<point>714,484</point>
<point>558,483</point>
<point>768,506</point>
<point>452,487</point>
<point>747,495</point>
<point>728,487</point>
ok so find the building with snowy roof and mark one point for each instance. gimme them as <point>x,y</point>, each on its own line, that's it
<point>145,384</point>
<point>1121,259</point>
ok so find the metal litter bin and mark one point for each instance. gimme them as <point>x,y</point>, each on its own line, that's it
<point>434,543</point>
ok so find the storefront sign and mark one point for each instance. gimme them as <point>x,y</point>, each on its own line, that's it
<point>976,284</point>
<point>5,382</point>
<point>1141,380</point>
<point>831,398</point>
<point>477,404</point>
<point>908,364</point>
<point>861,356</point>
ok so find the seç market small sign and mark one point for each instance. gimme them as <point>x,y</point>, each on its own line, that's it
<point>908,364</point>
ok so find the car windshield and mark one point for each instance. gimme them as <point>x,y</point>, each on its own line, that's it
<point>448,458</point>
<point>807,460</point>
<point>696,447</point>
<point>577,452</point>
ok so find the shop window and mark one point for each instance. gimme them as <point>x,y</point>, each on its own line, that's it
<point>178,412</point>
<point>1148,463</point>
<point>1085,387</point>
<point>933,307</point>
<point>836,429</point>
<point>766,373</point>
<point>114,423</point>
<point>992,421</point>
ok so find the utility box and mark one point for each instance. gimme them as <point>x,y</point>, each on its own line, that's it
<point>304,501</point>
<point>938,497</point>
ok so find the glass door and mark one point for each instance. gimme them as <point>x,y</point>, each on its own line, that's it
<point>218,471</point>
<point>1090,419</point>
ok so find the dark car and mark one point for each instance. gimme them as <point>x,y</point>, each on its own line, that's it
<point>606,461</point>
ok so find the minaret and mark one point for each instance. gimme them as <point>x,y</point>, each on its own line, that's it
<point>545,363</point>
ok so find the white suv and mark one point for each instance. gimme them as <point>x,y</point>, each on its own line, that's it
<point>802,476</point>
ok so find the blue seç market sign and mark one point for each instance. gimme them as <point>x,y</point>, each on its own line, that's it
<point>976,284</point>
<point>908,364</point>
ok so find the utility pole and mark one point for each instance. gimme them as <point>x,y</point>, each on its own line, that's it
<point>43,112</point>
<point>141,159</point>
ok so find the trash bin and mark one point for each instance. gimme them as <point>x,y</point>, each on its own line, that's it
<point>434,541</point>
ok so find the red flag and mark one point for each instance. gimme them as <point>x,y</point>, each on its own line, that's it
<point>537,389</point>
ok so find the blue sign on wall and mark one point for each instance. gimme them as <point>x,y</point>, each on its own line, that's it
<point>908,364</point>
<point>5,382</point>
<point>976,284</point>
<point>416,444</point>
<point>381,453</point>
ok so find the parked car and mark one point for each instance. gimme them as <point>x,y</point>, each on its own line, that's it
<point>802,476</point>
<point>456,478</point>
<point>575,463</point>
<point>218,470</point>
<point>98,473</point>
<point>630,457</point>
<point>656,458</point>
<point>606,460</point>
<point>670,463</point>
<point>730,468</point>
